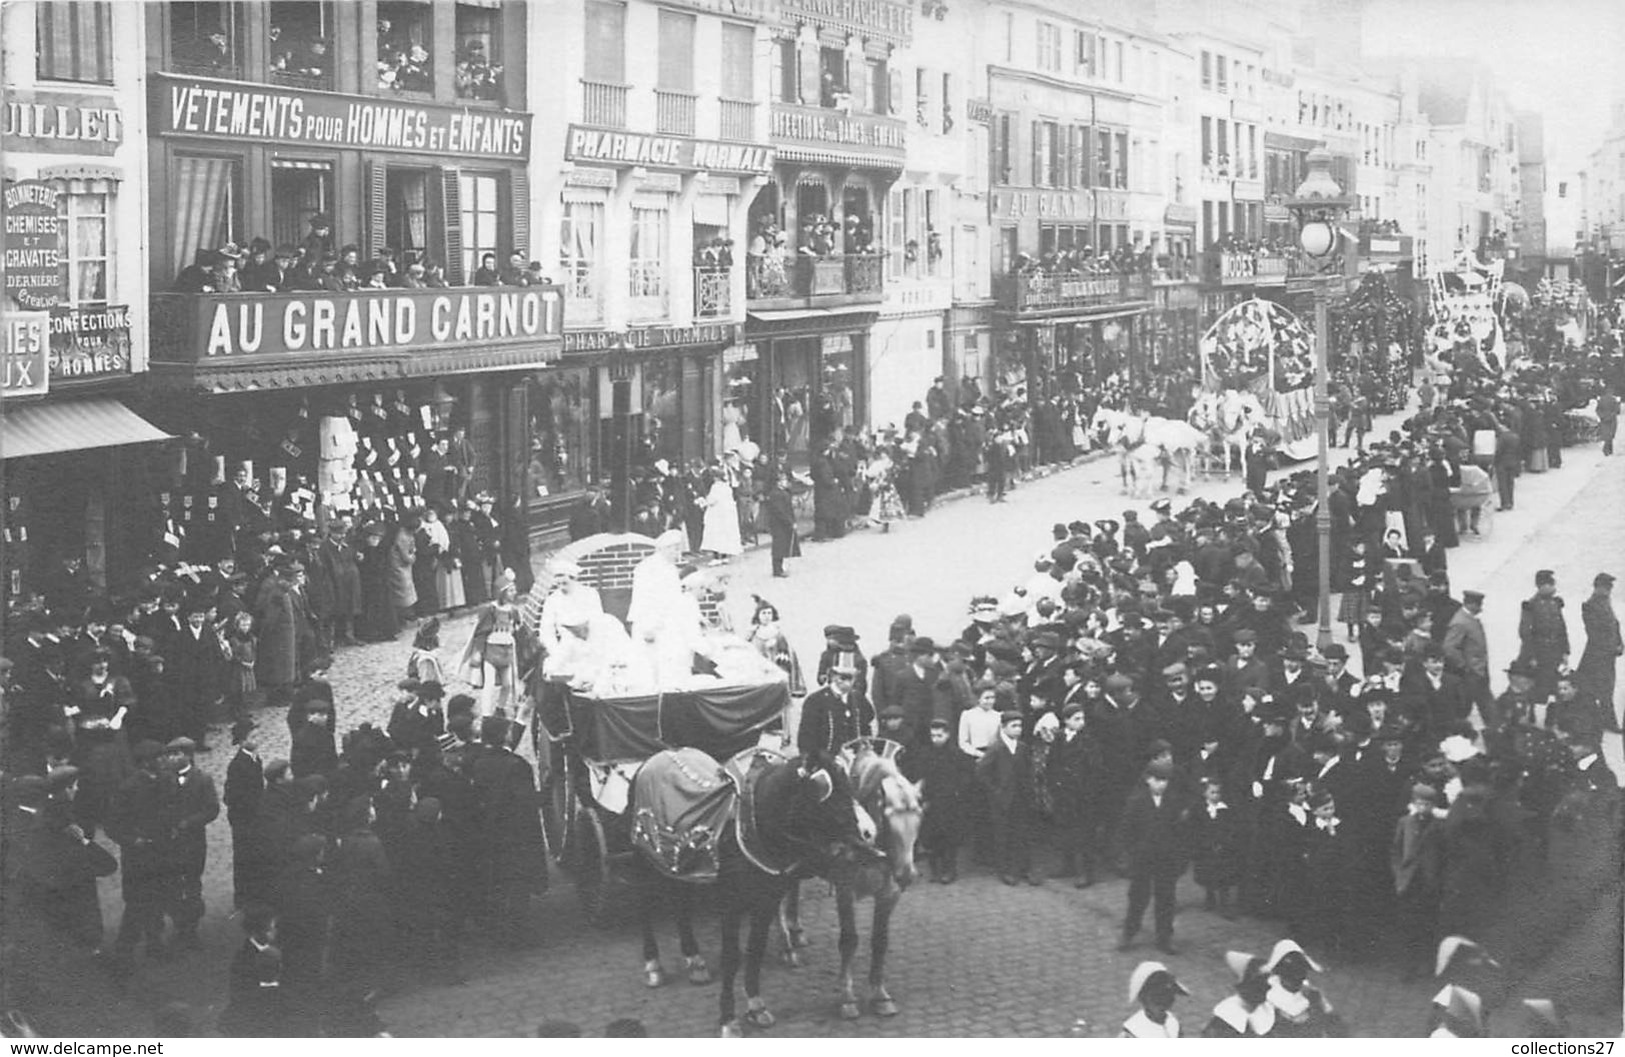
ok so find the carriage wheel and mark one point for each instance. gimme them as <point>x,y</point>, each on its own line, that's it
<point>589,864</point>
<point>557,803</point>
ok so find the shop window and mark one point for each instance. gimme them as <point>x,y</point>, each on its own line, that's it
<point>73,41</point>
<point>478,196</point>
<point>205,37</point>
<point>298,189</point>
<point>479,74</point>
<point>88,237</point>
<point>581,244</point>
<point>832,82</point>
<point>663,409</point>
<point>646,260</point>
<point>561,454</point>
<point>299,36</point>
<point>405,46</point>
<point>205,197</point>
<point>406,210</point>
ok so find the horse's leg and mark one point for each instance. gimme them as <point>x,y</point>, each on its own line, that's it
<point>761,920</point>
<point>653,975</point>
<point>790,930</point>
<point>730,968</point>
<point>846,910</point>
<point>879,944</point>
<point>698,971</point>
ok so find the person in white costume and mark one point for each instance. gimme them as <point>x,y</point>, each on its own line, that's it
<point>664,619</point>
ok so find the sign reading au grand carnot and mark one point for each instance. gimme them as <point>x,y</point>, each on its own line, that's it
<point>196,106</point>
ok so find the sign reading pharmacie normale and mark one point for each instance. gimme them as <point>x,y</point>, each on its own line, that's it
<point>259,113</point>
<point>601,147</point>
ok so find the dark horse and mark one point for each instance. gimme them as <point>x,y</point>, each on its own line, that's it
<point>786,813</point>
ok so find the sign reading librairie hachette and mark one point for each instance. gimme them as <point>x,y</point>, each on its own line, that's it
<point>364,321</point>
<point>256,113</point>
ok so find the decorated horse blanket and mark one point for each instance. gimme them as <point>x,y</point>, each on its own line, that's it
<point>682,803</point>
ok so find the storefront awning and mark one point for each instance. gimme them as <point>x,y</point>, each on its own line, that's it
<point>75,425</point>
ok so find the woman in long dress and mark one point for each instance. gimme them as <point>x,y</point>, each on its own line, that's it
<point>882,473</point>
<point>721,532</point>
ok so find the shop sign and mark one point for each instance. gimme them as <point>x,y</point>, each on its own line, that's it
<point>89,342</point>
<point>814,127</point>
<point>1180,213</point>
<point>252,114</point>
<point>651,337</point>
<point>666,152</point>
<point>28,350</point>
<point>33,244</point>
<point>884,18</point>
<point>61,123</point>
<point>761,10</point>
<point>1111,205</point>
<point>272,324</point>
<point>979,110</point>
<point>1047,205</point>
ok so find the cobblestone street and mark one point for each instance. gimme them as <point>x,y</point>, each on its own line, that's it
<point>976,958</point>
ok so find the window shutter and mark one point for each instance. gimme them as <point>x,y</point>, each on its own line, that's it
<point>517,211</point>
<point>1037,145</point>
<point>894,93</point>
<point>451,223</point>
<point>377,202</point>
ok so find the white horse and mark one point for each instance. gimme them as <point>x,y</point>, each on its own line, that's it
<point>1230,418</point>
<point>1146,443</point>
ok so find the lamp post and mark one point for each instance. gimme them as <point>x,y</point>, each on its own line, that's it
<point>1317,205</point>
<point>621,369</point>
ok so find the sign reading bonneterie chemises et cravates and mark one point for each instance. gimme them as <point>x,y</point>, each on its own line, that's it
<point>33,244</point>
<point>200,106</point>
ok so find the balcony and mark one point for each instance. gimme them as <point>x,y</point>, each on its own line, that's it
<point>1048,293</point>
<point>603,104</point>
<point>814,282</point>
<point>738,121</point>
<point>674,113</point>
<point>713,292</point>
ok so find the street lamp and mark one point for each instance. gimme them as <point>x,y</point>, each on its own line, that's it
<point>1317,205</point>
<point>621,368</point>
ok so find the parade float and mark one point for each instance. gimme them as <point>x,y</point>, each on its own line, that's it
<point>1261,348</point>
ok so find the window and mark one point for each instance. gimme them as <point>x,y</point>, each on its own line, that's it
<point>832,81</point>
<point>298,189</point>
<point>1079,162</point>
<point>478,194</point>
<point>559,401</point>
<point>1207,69</point>
<point>1117,54</point>
<point>1049,47</point>
<point>205,37</point>
<point>646,274</point>
<point>581,241</point>
<point>1221,75</point>
<point>1083,63</point>
<point>406,210</point>
<point>1103,158</point>
<point>1207,142</point>
<point>479,73</point>
<point>1046,154</point>
<point>1002,157</point>
<point>787,70</point>
<point>299,40</point>
<point>405,46</point>
<point>880,101</point>
<point>947,103</point>
<point>604,44</point>
<point>1009,37</point>
<point>1120,162</point>
<point>1252,152</point>
<point>676,52</point>
<point>922,98</point>
<point>87,235</point>
<point>738,62</point>
<point>73,41</point>
<point>206,207</point>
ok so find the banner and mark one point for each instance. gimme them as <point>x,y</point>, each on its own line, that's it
<point>33,244</point>
<point>226,110</point>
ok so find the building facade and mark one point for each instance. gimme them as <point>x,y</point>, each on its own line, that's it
<point>364,132</point>
<point>77,501</point>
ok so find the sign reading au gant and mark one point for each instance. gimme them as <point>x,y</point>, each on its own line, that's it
<point>398,321</point>
<point>195,106</point>
<point>666,152</point>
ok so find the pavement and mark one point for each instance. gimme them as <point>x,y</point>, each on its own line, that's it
<point>976,958</point>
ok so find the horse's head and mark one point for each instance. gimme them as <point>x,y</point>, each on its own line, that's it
<point>894,804</point>
<point>823,812</point>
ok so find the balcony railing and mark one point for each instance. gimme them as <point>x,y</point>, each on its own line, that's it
<point>1025,293</point>
<point>856,277</point>
<point>713,291</point>
<point>603,104</point>
<point>738,121</point>
<point>674,113</point>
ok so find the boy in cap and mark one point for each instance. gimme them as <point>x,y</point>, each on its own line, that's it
<point>1005,770</point>
<point>1603,648</point>
<point>139,824</point>
<point>1153,833</point>
<point>1155,989</point>
<point>1416,864</point>
<point>191,804</point>
<point>244,790</point>
<point>944,776</point>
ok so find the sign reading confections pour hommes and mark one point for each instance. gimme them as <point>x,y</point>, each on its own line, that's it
<point>227,110</point>
<point>33,243</point>
<point>399,320</point>
<point>89,342</point>
<point>666,152</point>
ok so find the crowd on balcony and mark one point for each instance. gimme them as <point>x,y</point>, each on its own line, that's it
<point>299,52</point>
<point>315,265</point>
<point>715,254</point>
<point>1125,260</point>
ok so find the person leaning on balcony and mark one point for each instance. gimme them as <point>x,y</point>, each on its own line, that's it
<point>261,274</point>
<point>514,274</point>
<point>487,274</point>
<point>197,277</point>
